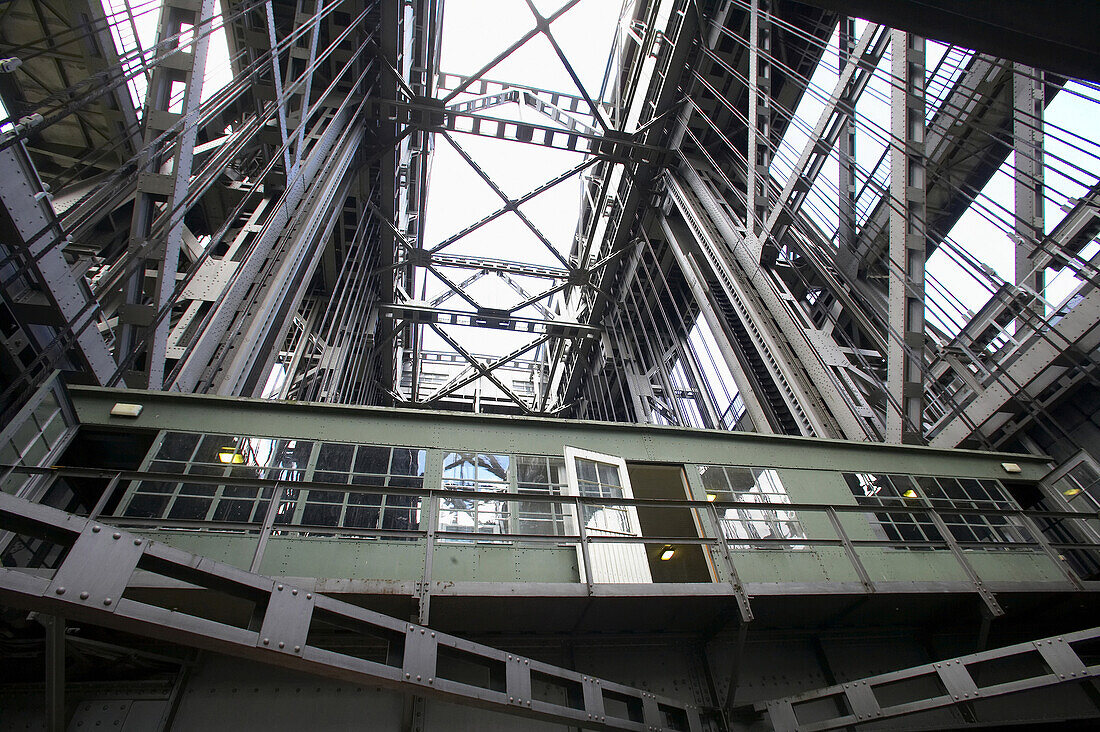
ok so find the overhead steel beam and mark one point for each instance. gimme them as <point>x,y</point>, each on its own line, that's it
<point>432,115</point>
<point>462,261</point>
<point>495,319</point>
<point>1063,40</point>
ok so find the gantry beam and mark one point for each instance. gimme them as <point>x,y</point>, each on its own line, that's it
<point>1063,39</point>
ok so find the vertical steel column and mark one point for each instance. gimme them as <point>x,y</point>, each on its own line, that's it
<point>1027,137</point>
<point>759,153</point>
<point>164,180</point>
<point>905,358</point>
<point>846,155</point>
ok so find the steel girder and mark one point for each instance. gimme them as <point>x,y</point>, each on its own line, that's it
<point>156,229</point>
<point>92,582</point>
<point>955,683</point>
<point>56,306</point>
<point>1061,40</point>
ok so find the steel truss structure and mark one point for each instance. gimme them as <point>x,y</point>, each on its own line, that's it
<point>836,219</point>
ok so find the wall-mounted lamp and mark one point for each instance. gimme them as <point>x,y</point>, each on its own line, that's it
<point>667,553</point>
<point>712,497</point>
<point>122,409</point>
<point>229,455</point>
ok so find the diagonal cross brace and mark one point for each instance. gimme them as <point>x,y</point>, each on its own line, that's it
<point>102,560</point>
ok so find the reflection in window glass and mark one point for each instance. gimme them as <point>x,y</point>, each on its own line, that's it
<point>473,471</point>
<point>601,480</point>
<point>755,485</point>
<point>941,493</point>
<point>213,456</point>
<point>545,476</point>
<point>287,461</point>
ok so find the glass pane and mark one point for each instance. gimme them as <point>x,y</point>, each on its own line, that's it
<point>334,456</point>
<point>198,489</point>
<point>586,470</point>
<point>233,510</point>
<point>321,515</point>
<point>214,446</point>
<point>370,459</point>
<point>147,506</point>
<point>407,461</point>
<point>361,518</point>
<point>532,470</point>
<point>609,474</point>
<point>714,479</point>
<point>190,508</point>
<point>177,446</point>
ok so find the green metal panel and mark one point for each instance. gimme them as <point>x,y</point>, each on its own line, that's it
<point>884,564</point>
<point>235,549</point>
<point>504,563</point>
<point>322,557</point>
<point>1013,566</point>
<point>821,564</point>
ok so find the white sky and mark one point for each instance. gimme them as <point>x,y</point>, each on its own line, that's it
<point>473,34</point>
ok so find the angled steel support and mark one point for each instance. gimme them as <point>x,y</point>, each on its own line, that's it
<point>164,182</point>
<point>35,246</point>
<point>957,682</point>
<point>90,585</point>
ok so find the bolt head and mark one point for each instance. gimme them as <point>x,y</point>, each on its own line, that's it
<point>106,601</point>
<point>137,542</point>
<point>95,529</point>
<point>116,535</point>
<point>294,592</point>
<point>281,644</point>
<point>60,590</point>
<point>267,641</point>
<point>297,649</point>
<point>309,595</point>
<point>280,587</point>
<point>83,595</point>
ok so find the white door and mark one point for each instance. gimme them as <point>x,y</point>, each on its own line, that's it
<point>604,476</point>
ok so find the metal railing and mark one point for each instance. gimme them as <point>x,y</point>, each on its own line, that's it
<point>726,548</point>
